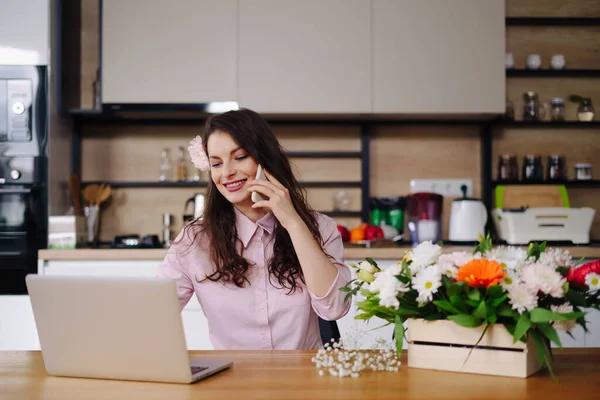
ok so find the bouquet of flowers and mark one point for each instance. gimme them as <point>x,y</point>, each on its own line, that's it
<point>532,292</point>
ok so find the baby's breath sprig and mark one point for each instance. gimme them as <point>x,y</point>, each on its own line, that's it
<point>338,361</point>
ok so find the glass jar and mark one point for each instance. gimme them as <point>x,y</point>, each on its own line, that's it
<point>557,168</point>
<point>583,172</point>
<point>508,169</point>
<point>532,168</point>
<point>557,109</point>
<point>531,107</point>
<point>585,111</point>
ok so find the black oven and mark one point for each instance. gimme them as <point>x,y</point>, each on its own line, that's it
<point>23,173</point>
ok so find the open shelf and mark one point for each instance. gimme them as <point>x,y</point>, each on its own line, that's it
<point>552,21</point>
<point>573,184</point>
<point>553,73</point>
<point>324,154</point>
<point>174,184</point>
<point>551,124</point>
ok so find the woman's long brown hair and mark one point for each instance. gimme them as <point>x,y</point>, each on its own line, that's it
<point>254,135</point>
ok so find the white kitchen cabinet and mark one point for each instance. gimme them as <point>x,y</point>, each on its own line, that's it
<point>309,56</point>
<point>177,51</point>
<point>17,325</point>
<point>24,32</point>
<point>438,57</point>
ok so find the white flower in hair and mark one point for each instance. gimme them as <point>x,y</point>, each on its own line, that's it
<point>197,154</point>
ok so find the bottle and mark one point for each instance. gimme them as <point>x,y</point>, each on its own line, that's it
<point>181,166</point>
<point>165,165</point>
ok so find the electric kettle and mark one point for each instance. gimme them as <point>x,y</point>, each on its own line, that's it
<point>467,219</point>
<point>198,201</point>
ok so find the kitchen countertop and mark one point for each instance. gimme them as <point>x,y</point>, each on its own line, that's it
<point>292,375</point>
<point>393,252</point>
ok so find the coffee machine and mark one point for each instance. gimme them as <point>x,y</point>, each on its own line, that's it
<point>424,212</point>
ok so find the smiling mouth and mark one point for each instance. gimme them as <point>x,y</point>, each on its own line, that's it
<point>234,186</point>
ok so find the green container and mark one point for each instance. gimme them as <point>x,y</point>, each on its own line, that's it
<point>377,216</point>
<point>395,218</point>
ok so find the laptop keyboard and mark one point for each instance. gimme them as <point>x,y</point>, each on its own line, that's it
<point>195,370</point>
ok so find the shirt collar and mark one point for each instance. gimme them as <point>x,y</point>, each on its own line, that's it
<point>246,228</point>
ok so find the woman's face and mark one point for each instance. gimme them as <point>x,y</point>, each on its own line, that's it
<point>230,167</point>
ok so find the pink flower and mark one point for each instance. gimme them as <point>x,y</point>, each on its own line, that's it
<point>197,154</point>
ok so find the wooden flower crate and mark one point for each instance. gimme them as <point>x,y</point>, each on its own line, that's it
<point>443,345</point>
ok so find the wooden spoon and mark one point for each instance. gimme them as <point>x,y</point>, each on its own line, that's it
<point>104,193</point>
<point>90,193</point>
<point>75,185</point>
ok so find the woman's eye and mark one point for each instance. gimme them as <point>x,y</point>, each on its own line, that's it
<point>214,165</point>
<point>241,157</point>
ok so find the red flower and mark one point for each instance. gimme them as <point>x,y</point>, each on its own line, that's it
<point>577,275</point>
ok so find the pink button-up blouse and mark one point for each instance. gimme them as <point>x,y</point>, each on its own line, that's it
<point>259,315</point>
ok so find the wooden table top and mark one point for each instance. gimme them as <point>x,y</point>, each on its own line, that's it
<point>292,375</point>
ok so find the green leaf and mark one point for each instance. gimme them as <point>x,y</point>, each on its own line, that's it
<point>576,298</point>
<point>473,303</point>
<point>348,297</point>
<point>538,315</point>
<point>399,333</point>
<point>433,317</point>
<point>458,302</point>
<point>468,321</point>
<point>364,316</point>
<point>345,289</point>
<point>446,306</point>
<point>474,295</point>
<point>510,328</point>
<point>454,289</point>
<point>549,331</point>
<point>505,311</point>
<point>562,270</point>
<point>540,346</point>
<point>481,311</point>
<point>499,300</point>
<point>492,319</point>
<point>494,291</point>
<point>366,293</point>
<point>523,325</point>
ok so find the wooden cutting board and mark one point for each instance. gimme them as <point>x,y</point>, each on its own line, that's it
<point>517,196</point>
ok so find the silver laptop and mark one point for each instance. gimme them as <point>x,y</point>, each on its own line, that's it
<point>114,328</point>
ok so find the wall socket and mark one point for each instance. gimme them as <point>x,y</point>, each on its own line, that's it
<point>445,187</point>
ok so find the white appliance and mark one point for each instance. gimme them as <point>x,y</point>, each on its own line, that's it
<point>467,220</point>
<point>544,223</point>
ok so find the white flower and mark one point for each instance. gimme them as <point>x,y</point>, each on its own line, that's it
<point>511,279</point>
<point>522,298</point>
<point>543,277</point>
<point>367,266</point>
<point>555,257</point>
<point>592,280</point>
<point>512,257</point>
<point>565,326</point>
<point>427,283</point>
<point>448,264</point>
<point>423,256</point>
<point>447,269</point>
<point>197,154</point>
<point>388,286</point>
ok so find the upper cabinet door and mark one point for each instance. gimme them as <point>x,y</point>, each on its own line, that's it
<point>309,56</point>
<point>24,32</point>
<point>177,51</point>
<point>438,57</point>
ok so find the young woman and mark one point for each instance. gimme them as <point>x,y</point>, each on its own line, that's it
<point>262,271</point>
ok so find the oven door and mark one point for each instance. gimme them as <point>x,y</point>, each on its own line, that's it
<point>19,241</point>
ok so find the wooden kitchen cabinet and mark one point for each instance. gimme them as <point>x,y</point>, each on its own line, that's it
<point>169,52</point>
<point>438,57</point>
<point>311,56</point>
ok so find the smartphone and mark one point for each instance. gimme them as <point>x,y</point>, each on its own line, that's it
<point>260,176</point>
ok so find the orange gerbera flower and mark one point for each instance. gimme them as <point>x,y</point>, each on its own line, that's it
<point>481,272</point>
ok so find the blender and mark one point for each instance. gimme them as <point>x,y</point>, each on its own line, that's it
<point>424,212</point>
